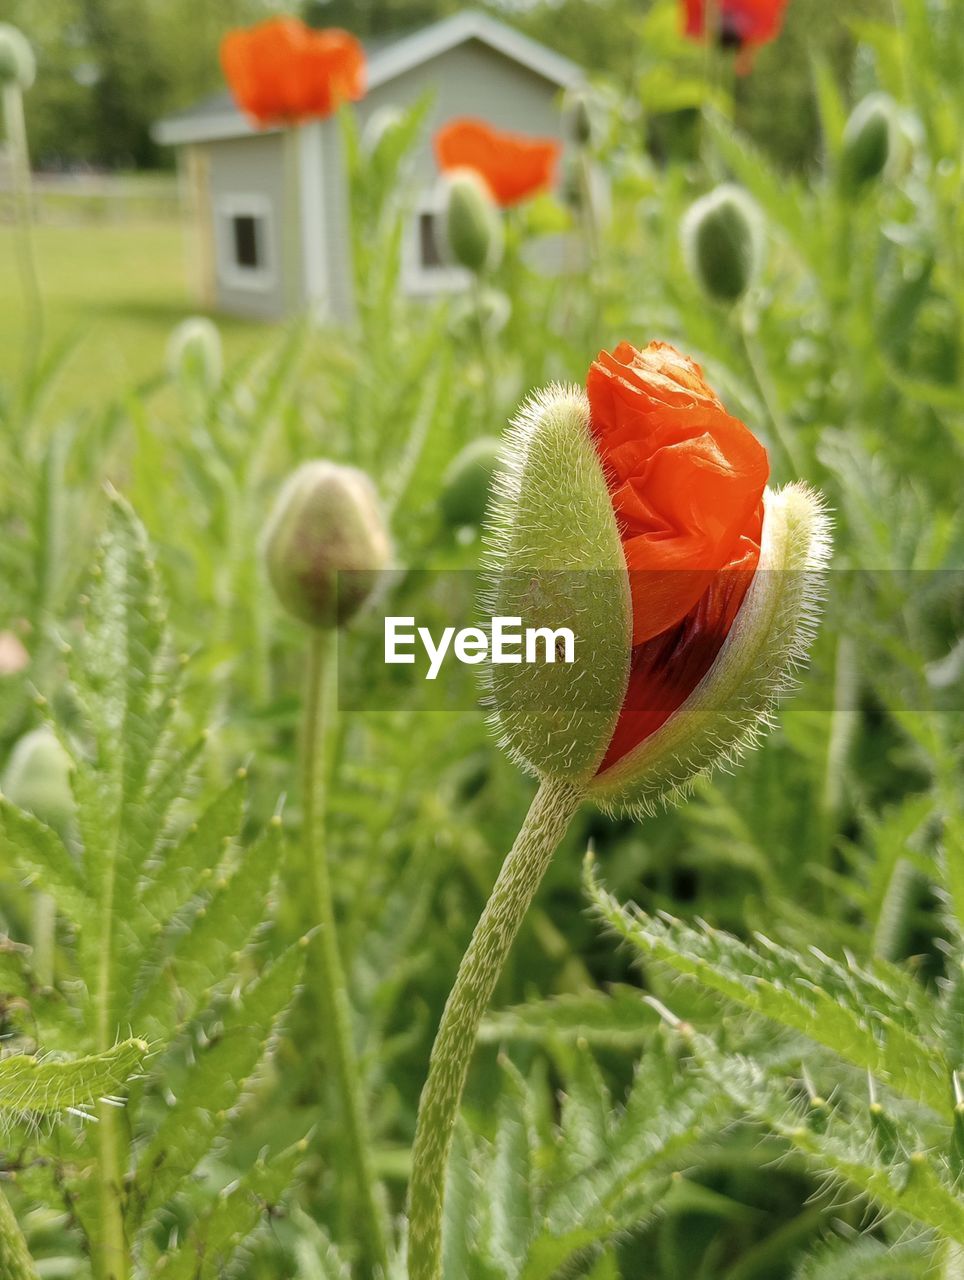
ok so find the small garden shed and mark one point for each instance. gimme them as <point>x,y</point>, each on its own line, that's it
<point>272,206</point>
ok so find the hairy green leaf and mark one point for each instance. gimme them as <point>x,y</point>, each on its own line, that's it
<point>870,1017</point>
<point>48,1086</point>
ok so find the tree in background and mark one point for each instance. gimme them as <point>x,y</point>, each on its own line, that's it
<point>110,68</point>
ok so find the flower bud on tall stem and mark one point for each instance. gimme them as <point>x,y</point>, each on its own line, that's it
<point>324,546</point>
<point>638,517</point>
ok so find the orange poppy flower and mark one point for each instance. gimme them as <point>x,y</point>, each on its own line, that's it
<point>281,71</point>
<point>513,165</point>
<point>740,24</point>
<point>686,481</point>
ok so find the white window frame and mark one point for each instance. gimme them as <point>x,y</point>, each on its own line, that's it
<point>230,272</point>
<point>417,278</point>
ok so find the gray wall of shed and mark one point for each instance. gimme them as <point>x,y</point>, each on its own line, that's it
<point>471,80</point>
<point>340,287</point>
<point>259,166</point>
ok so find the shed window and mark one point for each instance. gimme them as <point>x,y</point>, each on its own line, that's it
<point>245,240</point>
<point>428,246</point>
<point>248,234</point>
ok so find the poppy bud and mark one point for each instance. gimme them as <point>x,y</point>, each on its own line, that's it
<point>473,227</point>
<point>723,242</point>
<point>581,115</point>
<point>194,353</point>
<point>18,66</point>
<point>638,516</point>
<point>868,141</point>
<point>468,481</point>
<point>37,778</point>
<point>325,542</point>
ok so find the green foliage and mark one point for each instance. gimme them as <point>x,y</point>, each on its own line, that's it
<point>43,1087</point>
<point>769,1093</point>
<point>165,915</point>
<point>538,1193</point>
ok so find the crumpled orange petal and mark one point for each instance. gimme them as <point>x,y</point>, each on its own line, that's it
<point>282,72</point>
<point>513,165</point>
<point>686,480</point>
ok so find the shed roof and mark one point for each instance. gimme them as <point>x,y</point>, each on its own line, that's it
<point>218,117</point>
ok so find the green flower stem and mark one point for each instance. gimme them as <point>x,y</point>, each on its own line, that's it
<point>330,975</point>
<point>16,132</point>
<point>15,1260</point>
<point>546,823</point>
<point>112,1260</point>
<point>756,363</point>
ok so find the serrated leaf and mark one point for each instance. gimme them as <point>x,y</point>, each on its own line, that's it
<point>217,932</point>
<point>614,1019</point>
<point>216,1083</point>
<point>511,1178</point>
<point>239,1212</point>
<point>585,1109</point>
<point>172,876</point>
<point>916,1186</point>
<point>40,855</point>
<point>318,1256</point>
<point>13,970</point>
<point>47,1086</point>
<point>861,1015</point>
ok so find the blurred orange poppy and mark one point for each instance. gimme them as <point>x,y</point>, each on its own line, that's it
<point>281,71</point>
<point>686,481</point>
<point>736,24</point>
<point>514,166</point>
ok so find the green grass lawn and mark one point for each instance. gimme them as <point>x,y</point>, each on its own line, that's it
<point>116,290</point>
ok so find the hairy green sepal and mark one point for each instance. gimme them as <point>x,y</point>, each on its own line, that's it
<point>732,706</point>
<point>557,562</point>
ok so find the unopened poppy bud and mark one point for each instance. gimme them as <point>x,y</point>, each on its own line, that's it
<point>325,543</point>
<point>868,141</point>
<point>473,226</point>
<point>638,515</point>
<point>723,242</point>
<point>581,116</point>
<point>37,778</point>
<point>18,66</point>
<point>194,353</point>
<point>468,481</point>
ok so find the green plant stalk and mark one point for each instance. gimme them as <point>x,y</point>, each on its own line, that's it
<point>332,987</point>
<point>546,823</point>
<point>112,1260</point>
<point>485,351</point>
<point>15,1260</point>
<point>756,364</point>
<point>16,131</point>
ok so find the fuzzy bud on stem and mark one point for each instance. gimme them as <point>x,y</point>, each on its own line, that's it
<point>868,141</point>
<point>324,543</point>
<point>468,481</point>
<point>723,242</point>
<point>473,227</point>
